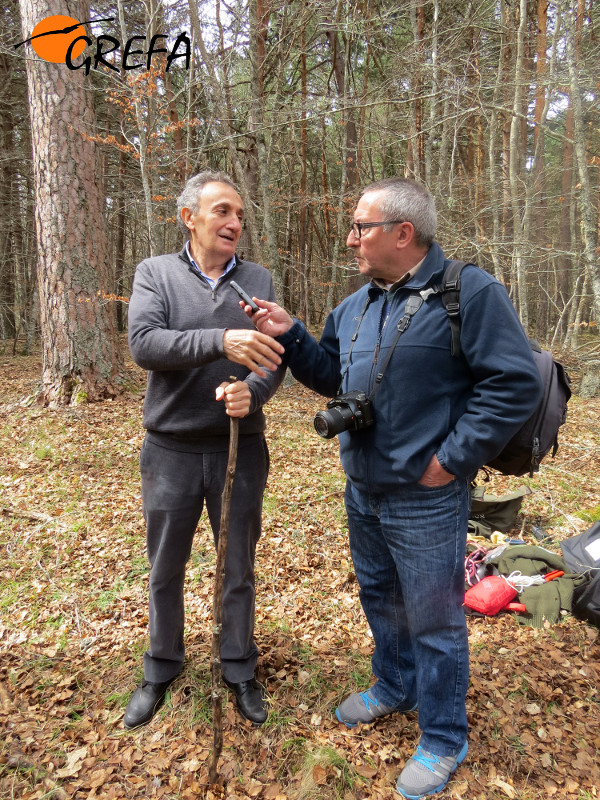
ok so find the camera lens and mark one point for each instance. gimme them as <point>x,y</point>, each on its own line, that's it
<point>329,423</point>
<point>322,425</point>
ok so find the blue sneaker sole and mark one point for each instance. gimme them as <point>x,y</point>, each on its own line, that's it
<point>459,759</point>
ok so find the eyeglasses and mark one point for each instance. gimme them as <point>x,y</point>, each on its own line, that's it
<point>358,227</point>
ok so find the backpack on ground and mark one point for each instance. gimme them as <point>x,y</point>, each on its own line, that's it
<point>539,434</point>
<point>586,603</point>
<point>581,554</point>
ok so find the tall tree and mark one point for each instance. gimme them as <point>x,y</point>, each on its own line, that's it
<point>516,165</point>
<point>17,272</point>
<point>81,358</point>
<point>259,24</point>
<point>589,215</point>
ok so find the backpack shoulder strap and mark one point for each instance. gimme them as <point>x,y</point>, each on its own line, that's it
<point>450,291</point>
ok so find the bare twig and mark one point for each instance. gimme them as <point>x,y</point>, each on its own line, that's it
<point>10,511</point>
<point>315,500</point>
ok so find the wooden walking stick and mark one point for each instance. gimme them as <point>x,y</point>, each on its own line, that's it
<point>217,684</point>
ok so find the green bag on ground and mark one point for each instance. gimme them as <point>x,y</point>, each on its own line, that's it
<point>490,513</point>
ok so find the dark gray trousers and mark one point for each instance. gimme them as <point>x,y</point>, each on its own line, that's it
<point>175,487</point>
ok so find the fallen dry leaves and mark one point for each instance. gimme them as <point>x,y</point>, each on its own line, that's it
<point>73,622</point>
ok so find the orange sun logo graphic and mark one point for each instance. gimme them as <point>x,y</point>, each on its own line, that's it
<point>52,37</point>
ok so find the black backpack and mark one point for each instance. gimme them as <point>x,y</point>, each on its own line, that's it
<point>581,554</point>
<point>586,602</point>
<point>539,434</point>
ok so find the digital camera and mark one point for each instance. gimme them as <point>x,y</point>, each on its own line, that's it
<point>352,411</point>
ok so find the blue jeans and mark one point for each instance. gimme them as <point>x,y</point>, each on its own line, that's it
<point>408,550</point>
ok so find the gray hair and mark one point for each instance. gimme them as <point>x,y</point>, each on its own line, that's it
<point>190,196</point>
<point>409,201</point>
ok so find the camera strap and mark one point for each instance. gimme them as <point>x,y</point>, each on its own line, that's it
<point>354,338</point>
<point>413,304</point>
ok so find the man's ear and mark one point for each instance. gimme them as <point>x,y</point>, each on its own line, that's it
<point>406,235</point>
<point>186,216</point>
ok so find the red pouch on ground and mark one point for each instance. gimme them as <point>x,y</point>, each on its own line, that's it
<point>490,595</point>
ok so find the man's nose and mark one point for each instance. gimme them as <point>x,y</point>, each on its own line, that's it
<point>352,241</point>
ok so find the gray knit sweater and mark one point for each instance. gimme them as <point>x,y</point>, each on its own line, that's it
<point>176,327</point>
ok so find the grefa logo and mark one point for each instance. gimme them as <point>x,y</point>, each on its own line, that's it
<point>61,39</point>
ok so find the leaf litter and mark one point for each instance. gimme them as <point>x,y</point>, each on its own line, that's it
<point>73,623</point>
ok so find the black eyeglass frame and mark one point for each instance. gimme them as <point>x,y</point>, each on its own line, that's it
<point>358,227</point>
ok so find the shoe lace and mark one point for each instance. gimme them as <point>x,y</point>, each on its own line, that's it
<point>369,700</point>
<point>428,760</point>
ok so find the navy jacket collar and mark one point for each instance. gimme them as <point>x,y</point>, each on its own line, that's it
<point>428,273</point>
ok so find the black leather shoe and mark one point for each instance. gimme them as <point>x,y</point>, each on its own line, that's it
<point>145,702</point>
<point>251,700</point>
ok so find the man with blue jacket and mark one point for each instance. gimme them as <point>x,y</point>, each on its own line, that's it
<point>437,420</point>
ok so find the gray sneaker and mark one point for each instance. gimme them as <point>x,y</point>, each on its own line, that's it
<point>362,707</point>
<point>426,773</point>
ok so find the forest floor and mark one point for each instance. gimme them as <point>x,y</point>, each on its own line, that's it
<point>73,625</point>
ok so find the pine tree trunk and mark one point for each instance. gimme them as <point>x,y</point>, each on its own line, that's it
<point>81,359</point>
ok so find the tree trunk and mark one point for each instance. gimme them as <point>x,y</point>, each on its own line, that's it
<point>341,64</point>
<point>589,230</point>
<point>546,81</point>
<point>259,19</point>
<point>222,100</point>
<point>538,132</point>
<point>508,41</point>
<point>340,59</point>
<point>519,208</point>
<point>120,238</point>
<point>81,359</point>
<point>494,182</point>
<point>418,94</point>
<point>8,266</point>
<point>302,222</point>
<point>435,94</point>
<point>480,189</point>
<point>143,124</point>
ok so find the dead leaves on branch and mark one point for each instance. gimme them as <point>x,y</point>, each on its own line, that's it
<point>73,621</point>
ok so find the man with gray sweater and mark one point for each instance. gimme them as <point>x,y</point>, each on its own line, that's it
<point>187,329</point>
